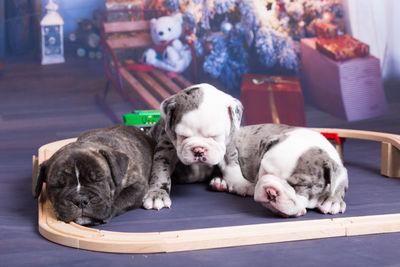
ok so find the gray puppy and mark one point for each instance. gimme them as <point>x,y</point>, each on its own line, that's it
<point>194,136</point>
<point>292,169</point>
<point>101,175</point>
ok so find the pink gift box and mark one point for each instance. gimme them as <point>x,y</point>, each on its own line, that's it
<point>351,89</point>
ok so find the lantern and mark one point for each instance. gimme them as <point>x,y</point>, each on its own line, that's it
<point>52,35</point>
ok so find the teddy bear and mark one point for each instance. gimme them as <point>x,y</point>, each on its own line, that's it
<point>168,52</point>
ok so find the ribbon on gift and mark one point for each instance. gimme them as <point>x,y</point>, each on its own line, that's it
<point>271,100</point>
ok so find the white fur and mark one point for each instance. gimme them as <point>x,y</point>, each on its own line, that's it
<point>288,202</point>
<point>207,126</point>
<point>78,187</point>
<point>282,158</point>
<point>235,181</point>
<point>278,164</point>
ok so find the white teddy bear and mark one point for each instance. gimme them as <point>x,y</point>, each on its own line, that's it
<point>168,52</point>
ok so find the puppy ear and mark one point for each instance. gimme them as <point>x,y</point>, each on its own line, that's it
<point>40,179</point>
<point>327,168</point>
<point>167,109</point>
<point>118,163</point>
<point>266,143</point>
<point>235,110</point>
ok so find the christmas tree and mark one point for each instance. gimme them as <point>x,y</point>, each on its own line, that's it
<point>230,33</point>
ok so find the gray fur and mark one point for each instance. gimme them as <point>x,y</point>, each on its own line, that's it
<point>112,166</point>
<point>236,112</point>
<point>314,176</point>
<point>175,107</point>
<point>253,142</point>
<point>313,173</point>
<point>165,157</point>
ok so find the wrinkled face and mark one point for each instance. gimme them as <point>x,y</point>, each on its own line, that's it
<point>200,122</point>
<point>80,188</point>
<point>280,197</point>
<point>304,188</point>
<point>202,134</point>
<point>165,29</point>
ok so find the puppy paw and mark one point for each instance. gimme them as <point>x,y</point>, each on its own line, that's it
<point>301,213</point>
<point>242,187</point>
<point>218,184</point>
<point>332,206</point>
<point>156,199</point>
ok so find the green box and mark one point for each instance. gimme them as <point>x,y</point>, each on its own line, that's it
<point>142,118</point>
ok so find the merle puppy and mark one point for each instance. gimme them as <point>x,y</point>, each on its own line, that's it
<point>101,175</point>
<point>194,136</point>
<point>292,169</point>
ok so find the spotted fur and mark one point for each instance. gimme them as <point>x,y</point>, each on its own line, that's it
<point>193,136</point>
<point>292,168</point>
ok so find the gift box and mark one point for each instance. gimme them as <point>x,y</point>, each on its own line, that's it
<point>272,99</point>
<point>326,30</point>
<point>351,89</point>
<point>342,48</point>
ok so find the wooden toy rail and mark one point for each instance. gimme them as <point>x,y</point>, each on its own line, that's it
<point>77,236</point>
<point>131,38</point>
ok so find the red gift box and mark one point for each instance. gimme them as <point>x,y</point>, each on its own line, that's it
<point>326,30</point>
<point>274,99</point>
<point>342,48</point>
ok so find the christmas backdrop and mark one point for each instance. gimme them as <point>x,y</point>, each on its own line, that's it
<point>233,37</point>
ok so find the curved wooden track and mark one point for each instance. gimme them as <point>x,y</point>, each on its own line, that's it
<point>77,236</point>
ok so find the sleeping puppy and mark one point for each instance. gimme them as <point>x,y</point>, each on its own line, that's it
<point>194,136</point>
<point>293,169</point>
<point>101,175</point>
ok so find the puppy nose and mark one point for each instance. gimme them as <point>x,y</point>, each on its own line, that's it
<point>271,193</point>
<point>198,151</point>
<point>81,201</point>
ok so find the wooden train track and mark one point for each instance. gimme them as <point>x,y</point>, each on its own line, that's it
<point>73,235</point>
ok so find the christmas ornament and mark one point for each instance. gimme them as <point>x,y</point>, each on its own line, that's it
<point>208,46</point>
<point>226,27</point>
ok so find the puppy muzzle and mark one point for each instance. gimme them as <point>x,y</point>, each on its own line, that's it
<point>279,197</point>
<point>199,153</point>
<point>200,150</point>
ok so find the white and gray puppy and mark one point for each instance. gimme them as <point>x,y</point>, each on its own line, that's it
<point>194,135</point>
<point>292,168</point>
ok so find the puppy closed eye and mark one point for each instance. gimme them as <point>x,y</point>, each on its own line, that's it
<point>213,137</point>
<point>56,184</point>
<point>95,200</point>
<point>95,177</point>
<point>183,137</point>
